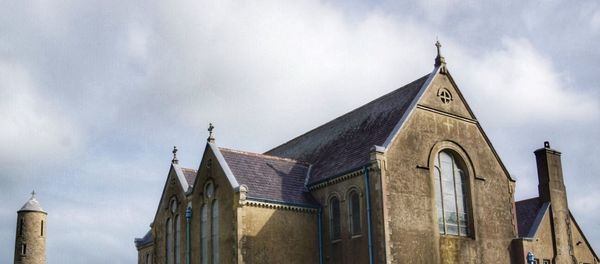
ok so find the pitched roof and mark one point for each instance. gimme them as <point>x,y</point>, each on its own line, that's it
<point>146,240</point>
<point>344,143</point>
<point>269,177</point>
<point>527,212</point>
<point>189,174</point>
<point>32,205</point>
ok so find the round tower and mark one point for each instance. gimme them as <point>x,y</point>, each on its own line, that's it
<point>30,242</point>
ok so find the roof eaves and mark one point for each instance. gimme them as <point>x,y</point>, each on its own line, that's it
<point>411,108</point>
<point>228,173</point>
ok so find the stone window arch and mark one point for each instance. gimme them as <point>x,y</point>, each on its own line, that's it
<point>451,185</point>
<point>204,234</point>
<point>335,225</point>
<point>215,231</point>
<point>354,211</point>
<point>169,241</point>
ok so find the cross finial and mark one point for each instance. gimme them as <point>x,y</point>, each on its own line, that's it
<point>32,193</point>
<point>439,59</point>
<point>210,138</point>
<point>175,160</point>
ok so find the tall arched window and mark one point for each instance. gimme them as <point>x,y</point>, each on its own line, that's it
<point>204,234</point>
<point>169,241</point>
<point>334,218</point>
<point>215,231</point>
<point>177,239</point>
<point>354,212</point>
<point>148,259</point>
<point>451,195</point>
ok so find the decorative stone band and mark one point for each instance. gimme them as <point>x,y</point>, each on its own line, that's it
<point>262,203</point>
<point>339,178</point>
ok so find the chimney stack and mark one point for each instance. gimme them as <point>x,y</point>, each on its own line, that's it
<point>552,189</point>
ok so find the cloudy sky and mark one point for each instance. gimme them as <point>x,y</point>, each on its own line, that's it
<point>93,95</point>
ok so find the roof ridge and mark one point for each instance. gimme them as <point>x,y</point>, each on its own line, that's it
<point>188,169</point>
<point>264,155</point>
<point>347,113</point>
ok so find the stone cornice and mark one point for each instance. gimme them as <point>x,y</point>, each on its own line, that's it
<point>261,203</point>
<point>340,178</point>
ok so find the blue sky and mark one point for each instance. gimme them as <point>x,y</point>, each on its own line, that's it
<point>93,95</point>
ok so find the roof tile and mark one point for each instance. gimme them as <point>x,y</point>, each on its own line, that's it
<point>344,143</point>
<point>269,177</point>
<point>527,211</point>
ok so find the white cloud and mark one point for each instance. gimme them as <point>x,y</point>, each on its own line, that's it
<point>32,128</point>
<point>524,87</point>
<point>595,21</point>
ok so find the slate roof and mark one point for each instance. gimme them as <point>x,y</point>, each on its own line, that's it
<point>146,240</point>
<point>344,143</point>
<point>269,177</point>
<point>190,175</point>
<point>32,205</point>
<point>527,211</point>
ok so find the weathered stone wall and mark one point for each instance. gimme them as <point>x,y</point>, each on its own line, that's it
<point>411,208</point>
<point>145,255</point>
<point>277,235</point>
<point>541,245</point>
<point>583,251</point>
<point>31,235</point>
<point>338,251</point>
<point>172,191</point>
<point>210,171</point>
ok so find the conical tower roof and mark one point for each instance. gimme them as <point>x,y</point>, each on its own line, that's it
<point>32,205</point>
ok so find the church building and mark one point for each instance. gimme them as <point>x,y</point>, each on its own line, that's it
<point>410,177</point>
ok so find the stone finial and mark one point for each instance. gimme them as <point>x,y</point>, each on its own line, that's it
<point>439,59</point>
<point>33,194</point>
<point>210,138</point>
<point>175,160</point>
<point>546,144</point>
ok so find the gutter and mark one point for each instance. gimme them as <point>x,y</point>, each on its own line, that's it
<point>188,251</point>
<point>320,234</point>
<point>369,216</point>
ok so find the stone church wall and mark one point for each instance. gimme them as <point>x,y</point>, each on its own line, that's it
<point>271,235</point>
<point>412,208</point>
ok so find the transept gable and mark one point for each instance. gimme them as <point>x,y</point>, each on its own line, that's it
<point>176,185</point>
<point>212,159</point>
<point>444,96</point>
<point>440,95</point>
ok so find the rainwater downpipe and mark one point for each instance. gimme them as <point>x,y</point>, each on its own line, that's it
<point>188,217</point>
<point>368,195</point>
<point>320,231</point>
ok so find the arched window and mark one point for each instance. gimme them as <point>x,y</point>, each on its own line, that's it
<point>215,231</point>
<point>148,259</point>
<point>354,212</point>
<point>204,234</point>
<point>334,218</point>
<point>169,241</point>
<point>177,239</point>
<point>451,195</point>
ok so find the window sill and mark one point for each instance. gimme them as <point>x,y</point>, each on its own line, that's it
<point>336,241</point>
<point>449,236</point>
<point>356,236</point>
